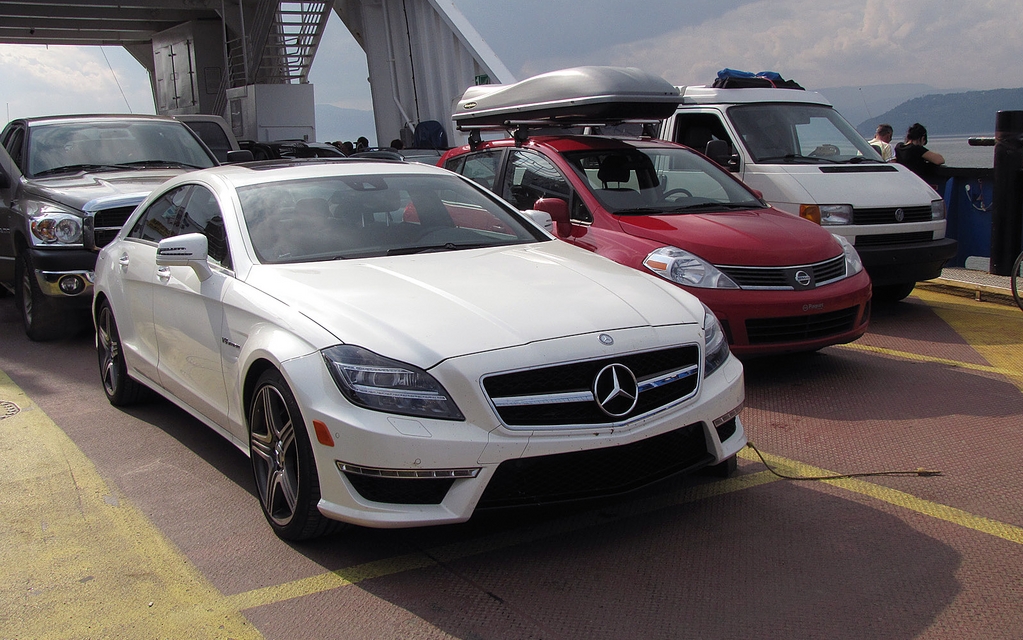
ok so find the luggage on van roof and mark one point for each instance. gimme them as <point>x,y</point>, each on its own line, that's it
<point>733,79</point>
<point>588,94</point>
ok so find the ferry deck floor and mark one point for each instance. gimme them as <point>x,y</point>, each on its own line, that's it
<point>142,523</point>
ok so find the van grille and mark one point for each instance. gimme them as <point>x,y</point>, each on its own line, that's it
<point>889,215</point>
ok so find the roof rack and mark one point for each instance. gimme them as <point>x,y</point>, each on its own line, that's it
<point>519,129</point>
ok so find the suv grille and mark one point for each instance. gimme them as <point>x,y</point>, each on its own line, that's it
<point>799,328</point>
<point>888,215</point>
<point>108,222</point>
<point>820,273</point>
<point>596,472</point>
<point>563,395</point>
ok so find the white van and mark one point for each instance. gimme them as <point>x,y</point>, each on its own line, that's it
<point>805,158</point>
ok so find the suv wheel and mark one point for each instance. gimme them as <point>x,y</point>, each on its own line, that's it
<point>43,319</point>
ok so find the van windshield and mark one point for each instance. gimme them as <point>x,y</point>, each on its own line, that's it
<point>800,134</point>
<point>636,181</point>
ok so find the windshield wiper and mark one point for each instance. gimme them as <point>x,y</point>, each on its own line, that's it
<point>727,206</point>
<point>159,163</point>
<point>75,168</point>
<point>447,246</point>
<point>795,157</point>
<point>638,211</point>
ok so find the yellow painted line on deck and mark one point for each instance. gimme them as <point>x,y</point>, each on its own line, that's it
<point>469,548</point>
<point>906,355</point>
<point>893,496</point>
<point>79,561</point>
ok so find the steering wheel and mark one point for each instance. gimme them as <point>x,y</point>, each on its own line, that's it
<point>675,192</point>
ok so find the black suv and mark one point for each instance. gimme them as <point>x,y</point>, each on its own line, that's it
<point>67,184</point>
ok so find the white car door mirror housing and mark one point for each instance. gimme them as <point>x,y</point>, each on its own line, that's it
<point>187,250</point>
<point>541,218</point>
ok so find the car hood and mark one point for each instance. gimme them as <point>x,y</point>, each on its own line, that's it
<point>428,307</point>
<point>76,190</point>
<point>865,185</point>
<point>758,237</point>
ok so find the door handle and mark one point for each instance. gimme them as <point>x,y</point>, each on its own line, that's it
<point>123,260</point>
<point>163,273</point>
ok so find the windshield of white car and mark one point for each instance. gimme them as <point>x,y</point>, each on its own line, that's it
<point>346,217</point>
<point>790,133</point>
<point>68,146</point>
<point>659,180</point>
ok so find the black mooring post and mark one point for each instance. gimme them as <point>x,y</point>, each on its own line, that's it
<point>1007,194</point>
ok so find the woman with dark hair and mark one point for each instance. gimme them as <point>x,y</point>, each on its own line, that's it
<point>914,154</point>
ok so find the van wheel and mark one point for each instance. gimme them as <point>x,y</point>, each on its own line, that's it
<point>892,292</point>
<point>42,317</point>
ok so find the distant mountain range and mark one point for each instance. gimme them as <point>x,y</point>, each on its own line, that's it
<point>900,105</point>
<point>967,113</point>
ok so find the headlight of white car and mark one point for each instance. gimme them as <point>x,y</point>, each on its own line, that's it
<point>52,224</point>
<point>716,343</point>
<point>937,209</point>
<point>682,267</point>
<point>374,382</point>
<point>834,214</point>
<point>853,264</point>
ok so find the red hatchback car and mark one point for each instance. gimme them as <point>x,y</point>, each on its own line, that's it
<point>778,283</point>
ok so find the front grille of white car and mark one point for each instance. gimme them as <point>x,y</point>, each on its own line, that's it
<point>565,395</point>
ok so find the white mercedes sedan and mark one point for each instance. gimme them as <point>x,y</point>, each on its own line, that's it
<point>394,346</point>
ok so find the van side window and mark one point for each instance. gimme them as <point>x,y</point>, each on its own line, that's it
<point>530,176</point>
<point>695,130</point>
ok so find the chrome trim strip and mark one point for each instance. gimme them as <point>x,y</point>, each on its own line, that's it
<point>377,472</point>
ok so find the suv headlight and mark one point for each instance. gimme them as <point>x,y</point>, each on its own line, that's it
<point>52,224</point>
<point>853,264</point>
<point>682,267</point>
<point>715,350</point>
<point>834,214</point>
<point>937,209</point>
<point>374,382</point>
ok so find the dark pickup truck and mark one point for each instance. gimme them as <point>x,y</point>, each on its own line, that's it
<point>67,184</point>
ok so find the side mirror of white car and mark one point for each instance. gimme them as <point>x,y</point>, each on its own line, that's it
<point>542,219</point>
<point>187,250</point>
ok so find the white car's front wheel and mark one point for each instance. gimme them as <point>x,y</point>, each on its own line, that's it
<point>282,462</point>
<point>119,387</point>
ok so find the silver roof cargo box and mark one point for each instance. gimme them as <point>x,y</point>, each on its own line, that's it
<point>576,95</point>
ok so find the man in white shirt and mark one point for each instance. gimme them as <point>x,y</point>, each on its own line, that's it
<point>883,142</point>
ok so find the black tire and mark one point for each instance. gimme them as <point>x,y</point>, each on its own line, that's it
<point>44,319</point>
<point>724,469</point>
<point>891,293</point>
<point>282,463</point>
<point>120,388</point>
<point>1016,279</point>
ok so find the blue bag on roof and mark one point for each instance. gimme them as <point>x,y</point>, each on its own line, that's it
<point>734,79</point>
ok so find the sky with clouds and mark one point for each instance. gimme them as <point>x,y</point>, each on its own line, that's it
<point>948,44</point>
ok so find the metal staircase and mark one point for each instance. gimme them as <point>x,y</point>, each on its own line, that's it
<point>278,47</point>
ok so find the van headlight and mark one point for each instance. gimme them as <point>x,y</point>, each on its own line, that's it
<point>853,264</point>
<point>52,224</point>
<point>374,382</point>
<point>937,209</point>
<point>715,350</point>
<point>835,214</point>
<point>682,267</point>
